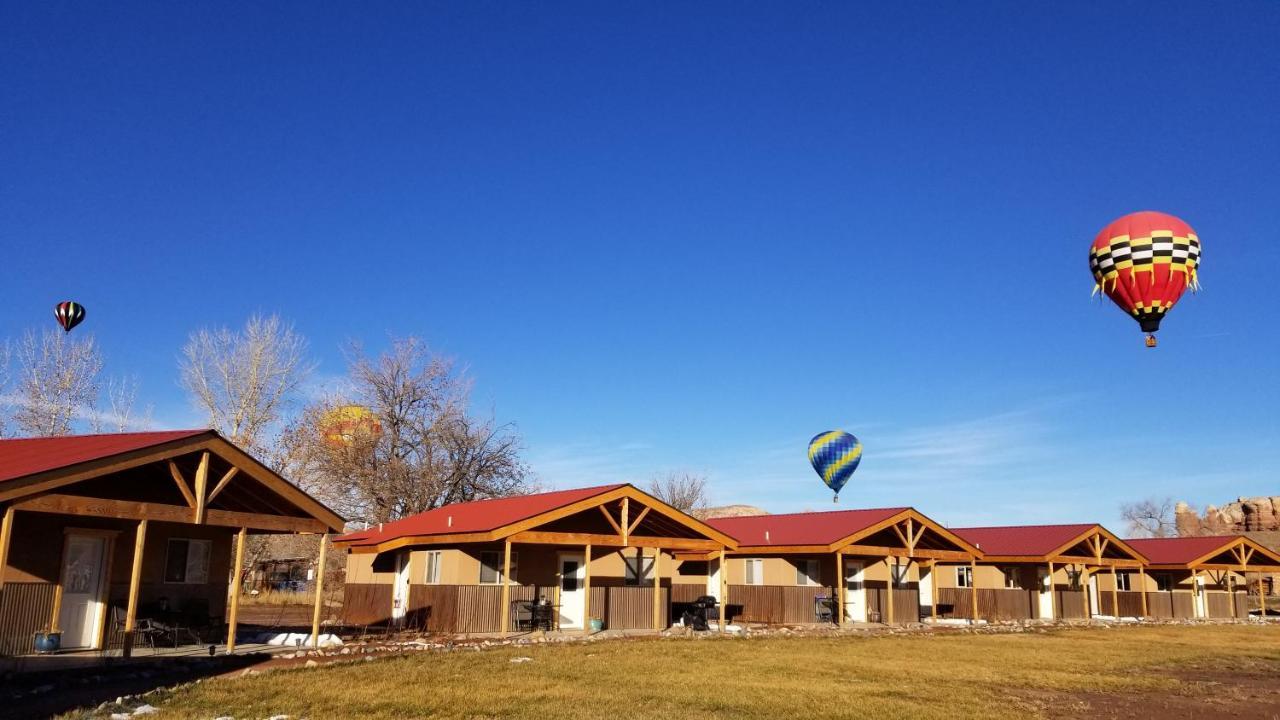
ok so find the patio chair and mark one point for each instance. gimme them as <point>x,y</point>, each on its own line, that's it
<point>522,614</point>
<point>145,631</point>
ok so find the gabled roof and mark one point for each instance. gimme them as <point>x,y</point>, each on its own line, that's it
<point>20,457</point>
<point>1190,551</point>
<point>541,517</point>
<point>36,472</point>
<point>1029,540</point>
<point>473,517</point>
<point>811,528</point>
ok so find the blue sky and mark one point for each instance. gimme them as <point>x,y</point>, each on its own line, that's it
<point>672,237</point>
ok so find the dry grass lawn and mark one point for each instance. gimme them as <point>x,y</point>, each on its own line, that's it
<point>944,675</point>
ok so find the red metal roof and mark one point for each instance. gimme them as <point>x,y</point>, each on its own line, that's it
<point>1028,540</point>
<point>813,528</point>
<point>1180,550</point>
<point>474,517</point>
<point>20,457</point>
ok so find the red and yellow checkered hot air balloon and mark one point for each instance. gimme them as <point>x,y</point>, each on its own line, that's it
<point>1143,262</point>
<point>346,424</point>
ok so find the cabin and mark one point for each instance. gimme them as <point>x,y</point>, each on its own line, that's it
<point>1201,577</point>
<point>843,567</point>
<point>103,533</point>
<point>1041,572</point>
<point>602,557</point>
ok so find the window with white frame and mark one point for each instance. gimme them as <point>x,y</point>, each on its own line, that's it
<point>187,561</point>
<point>491,567</point>
<point>1012,578</point>
<point>754,571</point>
<point>433,568</point>
<point>639,570</point>
<point>964,576</point>
<point>807,572</point>
<point>1124,581</point>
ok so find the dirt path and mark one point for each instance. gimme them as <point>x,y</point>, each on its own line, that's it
<point>1249,691</point>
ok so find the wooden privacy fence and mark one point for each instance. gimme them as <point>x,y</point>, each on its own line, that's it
<point>25,609</point>
<point>774,604</point>
<point>906,604</point>
<point>1130,604</point>
<point>478,608</point>
<point>366,604</point>
<point>993,604</point>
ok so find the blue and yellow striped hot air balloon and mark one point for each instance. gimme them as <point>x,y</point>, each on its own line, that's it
<point>835,454</point>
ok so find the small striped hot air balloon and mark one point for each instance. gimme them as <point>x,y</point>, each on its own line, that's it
<point>69,314</point>
<point>1143,262</point>
<point>835,454</point>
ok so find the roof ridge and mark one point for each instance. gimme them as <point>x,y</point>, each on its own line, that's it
<point>1018,527</point>
<point>77,436</point>
<point>809,512</point>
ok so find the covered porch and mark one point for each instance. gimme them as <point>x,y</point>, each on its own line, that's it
<point>110,543</point>
<point>1205,577</point>
<point>565,561</point>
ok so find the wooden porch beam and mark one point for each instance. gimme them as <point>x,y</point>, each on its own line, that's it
<point>506,587</point>
<point>135,582</point>
<point>840,591</point>
<point>657,583</point>
<point>724,594</point>
<point>181,482</point>
<point>130,510</point>
<point>315,615</point>
<point>877,551</point>
<point>558,538</point>
<point>202,486</point>
<point>1104,562</point>
<point>236,574</point>
<point>626,508</point>
<point>1053,600</point>
<point>973,588</point>
<point>6,534</point>
<point>586,589</point>
<point>897,530</point>
<point>223,482</point>
<point>636,523</point>
<point>609,516</point>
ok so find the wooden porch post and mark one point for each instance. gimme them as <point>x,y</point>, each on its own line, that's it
<point>838,605</point>
<point>236,572</point>
<point>973,587</point>
<point>6,532</point>
<point>724,593</point>
<point>1084,585</point>
<point>888,601</point>
<point>933,589</point>
<point>586,590</point>
<point>657,589</point>
<point>135,581</point>
<point>506,587</point>
<point>1231,593</point>
<point>1115,594</point>
<point>1053,600</point>
<point>57,601</point>
<point>1142,575</point>
<point>315,615</point>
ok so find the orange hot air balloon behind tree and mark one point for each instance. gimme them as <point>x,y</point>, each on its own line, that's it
<point>1143,262</point>
<point>345,424</point>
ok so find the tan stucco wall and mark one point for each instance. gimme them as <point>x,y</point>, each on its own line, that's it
<point>782,569</point>
<point>993,576</point>
<point>534,565</point>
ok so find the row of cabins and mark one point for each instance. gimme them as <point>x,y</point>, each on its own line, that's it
<point>101,533</point>
<point>625,559</point>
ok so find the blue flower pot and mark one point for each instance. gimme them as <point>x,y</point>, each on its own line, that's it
<point>596,625</point>
<point>48,642</point>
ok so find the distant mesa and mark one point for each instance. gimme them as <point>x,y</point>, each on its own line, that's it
<point>1257,517</point>
<point>725,511</point>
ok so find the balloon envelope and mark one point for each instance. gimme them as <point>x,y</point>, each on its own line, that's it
<point>345,424</point>
<point>69,314</point>
<point>1143,261</point>
<point>835,454</point>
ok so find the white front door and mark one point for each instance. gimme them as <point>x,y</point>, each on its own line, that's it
<point>855,594</point>
<point>400,592</point>
<point>82,574</point>
<point>1046,594</point>
<point>926,591</point>
<point>1094,608</point>
<point>573,577</point>
<point>713,578</point>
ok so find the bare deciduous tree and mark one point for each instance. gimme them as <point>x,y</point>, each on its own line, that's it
<point>57,382</point>
<point>682,490</point>
<point>118,415</point>
<point>427,449</point>
<point>1152,517</point>
<point>244,380</point>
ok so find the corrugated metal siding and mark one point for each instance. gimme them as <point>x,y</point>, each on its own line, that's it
<point>774,604</point>
<point>993,604</point>
<point>906,603</point>
<point>1069,604</point>
<point>25,609</point>
<point>1220,605</point>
